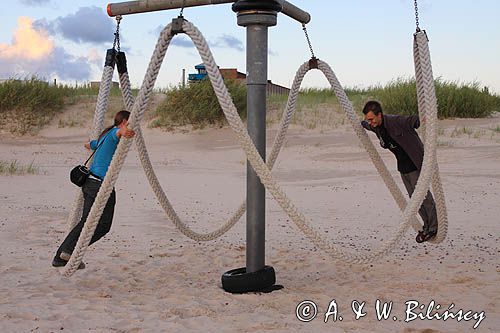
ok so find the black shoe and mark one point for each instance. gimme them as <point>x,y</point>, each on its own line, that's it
<point>424,236</point>
<point>58,262</point>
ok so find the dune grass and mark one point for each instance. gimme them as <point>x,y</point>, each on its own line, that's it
<point>14,168</point>
<point>314,108</point>
<point>466,100</point>
<point>196,105</point>
<point>455,100</point>
<point>28,105</point>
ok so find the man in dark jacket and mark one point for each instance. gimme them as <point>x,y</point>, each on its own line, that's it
<point>397,133</point>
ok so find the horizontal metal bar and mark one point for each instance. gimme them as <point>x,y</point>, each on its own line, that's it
<point>143,6</point>
<point>292,11</point>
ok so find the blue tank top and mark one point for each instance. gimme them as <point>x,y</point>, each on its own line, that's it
<point>104,155</point>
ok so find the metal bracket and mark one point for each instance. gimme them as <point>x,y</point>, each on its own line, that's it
<point>177,25</point>
<point>110,58</point>
<point>313,63</point>
<point>121,62</point>
<point>421,31</point>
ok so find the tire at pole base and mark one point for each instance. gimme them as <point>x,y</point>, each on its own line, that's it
<point>239,281</point>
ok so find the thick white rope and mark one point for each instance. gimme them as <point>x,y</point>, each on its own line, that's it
<point>253,156</point>
<point>158,190</point>
<point>98,125</point>
<point>265,174</point>
<point>156,186</point>
<point>426,97</point>
<point>120,154</point>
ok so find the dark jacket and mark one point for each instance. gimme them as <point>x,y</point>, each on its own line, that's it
<point>402,130</point>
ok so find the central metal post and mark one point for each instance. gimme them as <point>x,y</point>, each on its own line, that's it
<point>256,23</point>
<point>257,16</point>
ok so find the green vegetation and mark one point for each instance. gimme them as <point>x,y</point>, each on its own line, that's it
<point>14,168</point>
<point>28,105</point>
<point>459,131</point>
<point>454,100</point>
<point>197,105</point>
<point>313,109</point>
<point>398,97</point>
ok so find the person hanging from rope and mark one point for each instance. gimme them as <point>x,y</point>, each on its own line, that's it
<point>397,133</point>
<point>106,145</point>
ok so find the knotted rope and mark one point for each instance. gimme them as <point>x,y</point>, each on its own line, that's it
<point>426,98</point>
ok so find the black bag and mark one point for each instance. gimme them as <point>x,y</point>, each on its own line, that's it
<point>79,174</point>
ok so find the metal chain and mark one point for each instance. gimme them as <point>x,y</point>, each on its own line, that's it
<point>308,40</point>
<point>116,42</point>
<point>182,9</point>
<point>416,15</point>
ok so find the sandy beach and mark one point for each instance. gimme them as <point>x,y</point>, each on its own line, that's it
<point>145,276</point>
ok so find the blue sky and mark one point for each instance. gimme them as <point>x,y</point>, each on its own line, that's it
<point>365,42</point>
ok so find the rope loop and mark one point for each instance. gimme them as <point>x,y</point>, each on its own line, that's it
<point>427,108</point>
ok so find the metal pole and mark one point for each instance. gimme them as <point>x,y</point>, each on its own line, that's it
<point>256,23</point>
<point>256,124</point>
<point>142,6</point>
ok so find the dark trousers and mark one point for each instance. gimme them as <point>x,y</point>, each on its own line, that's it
<point>90,189</point>
<point>428,209</point>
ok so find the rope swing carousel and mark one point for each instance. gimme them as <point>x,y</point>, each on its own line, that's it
<point>256,276</point>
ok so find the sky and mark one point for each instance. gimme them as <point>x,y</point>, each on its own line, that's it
<point>365,42</point>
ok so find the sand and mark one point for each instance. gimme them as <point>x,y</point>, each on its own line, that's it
<point>145,276</point>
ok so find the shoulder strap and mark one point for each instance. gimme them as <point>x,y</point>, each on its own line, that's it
<point>100,144</point>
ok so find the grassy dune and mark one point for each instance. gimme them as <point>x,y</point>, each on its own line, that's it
<point>15,168</point>
<point>28,105</point>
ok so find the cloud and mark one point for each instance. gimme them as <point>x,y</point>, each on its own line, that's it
<point>157,31</point>
<point>66,66</point>
<point>42,25</point>
<point>224,41</point>
<point>179,40</point>
<point>34,2</point>
<point>227,41</point>
<point>88,24</point>
<point>27,42</point>
<point>182,41</point>
<point>95,57</point>
<point>33,53</point>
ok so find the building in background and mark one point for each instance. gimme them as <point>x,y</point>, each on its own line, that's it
<point>97,84</point>
<point>234,74</point>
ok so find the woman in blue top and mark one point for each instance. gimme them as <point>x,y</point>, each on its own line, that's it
<point>106,145</point>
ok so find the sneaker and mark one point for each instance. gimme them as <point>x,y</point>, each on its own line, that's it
<point>424,236</point>
<point>65,256</point>
<point>58,262</point>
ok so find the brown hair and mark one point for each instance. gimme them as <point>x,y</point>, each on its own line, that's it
<point>119,117</point>
<point>372,106</point>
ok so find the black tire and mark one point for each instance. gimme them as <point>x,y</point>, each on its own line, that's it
<point>239,281</point>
